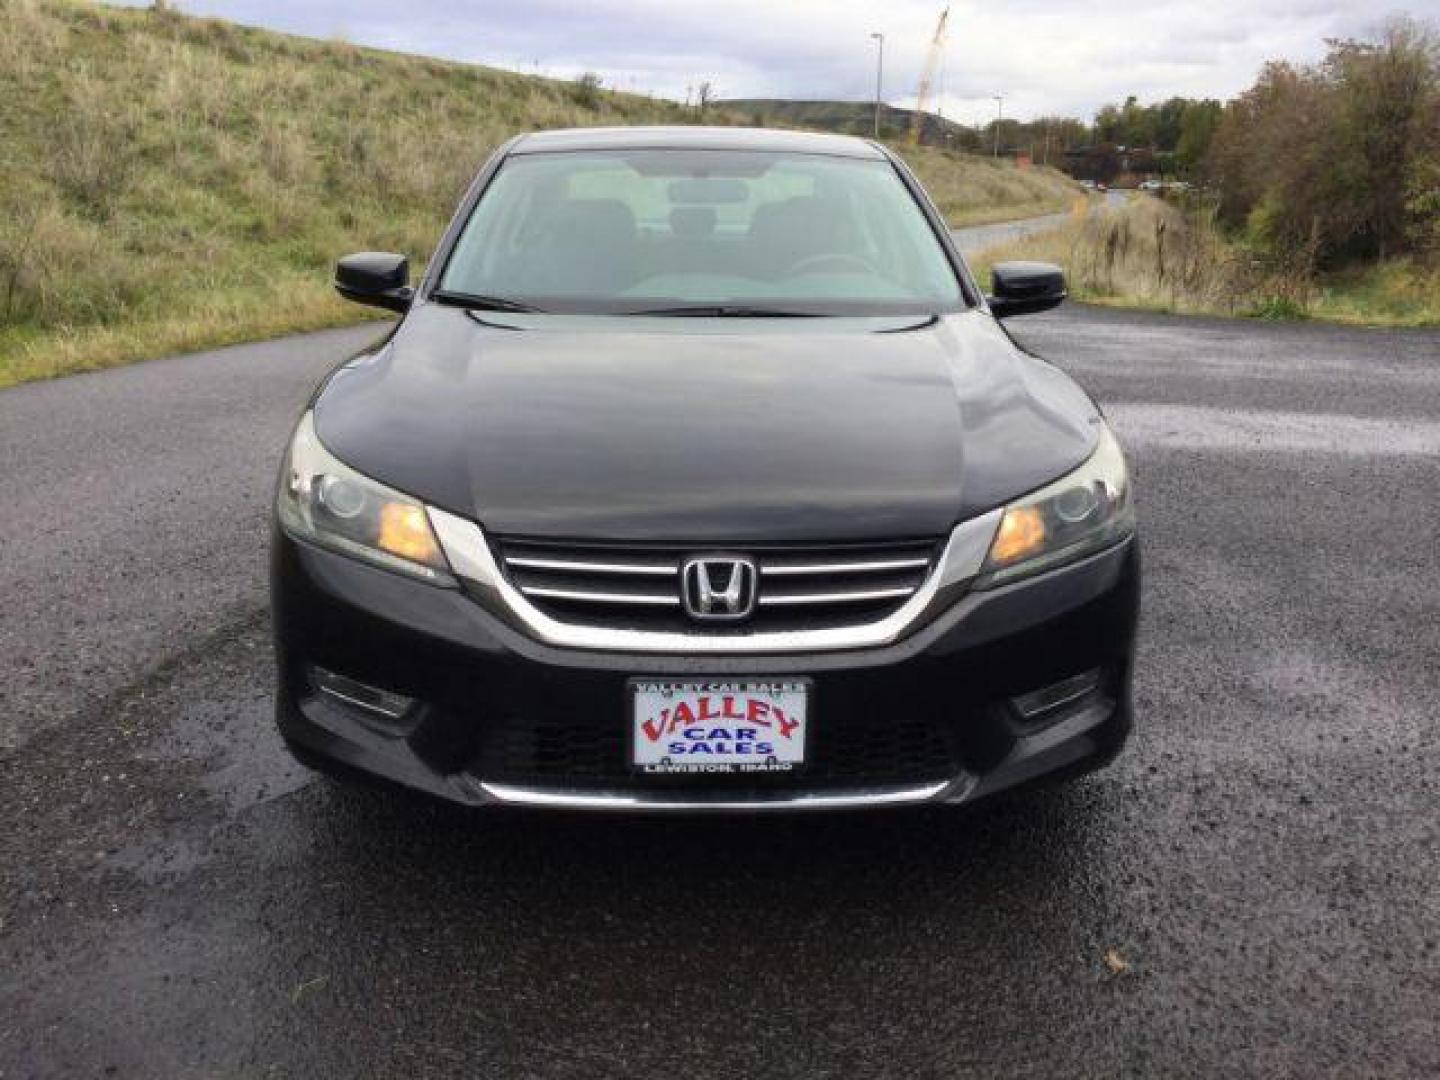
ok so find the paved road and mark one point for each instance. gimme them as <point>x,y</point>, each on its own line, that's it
<point>178,900</point>
<point>975,238</point>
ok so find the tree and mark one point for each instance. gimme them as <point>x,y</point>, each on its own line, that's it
<point>1109,125</point>
<point>1386,93</point>
<point>1137,126</point>
<point>1158,127</point>
<point>1167,121</point>
<point>1197,128</point>
<point>1334,158</point>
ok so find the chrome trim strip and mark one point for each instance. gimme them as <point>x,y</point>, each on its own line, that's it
<point>525,796</point>
<point>835,597</point>
<point>844,568</point>
<point>1086,683</point>
<point>471,558</point>
<point>599,597</point>
<point>324,682</point>
<point>365,706</point>
<point>526,562</point>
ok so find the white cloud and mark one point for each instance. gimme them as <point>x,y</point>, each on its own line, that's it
<point>1046,56</point>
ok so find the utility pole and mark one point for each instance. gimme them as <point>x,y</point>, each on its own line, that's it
<point>879,74</point>
<point>999,115</point>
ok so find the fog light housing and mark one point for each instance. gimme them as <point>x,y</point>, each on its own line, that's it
<point>1043,704</point>
<point>386,707</point>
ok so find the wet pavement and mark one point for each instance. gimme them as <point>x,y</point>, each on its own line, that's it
<point>1250,889</point>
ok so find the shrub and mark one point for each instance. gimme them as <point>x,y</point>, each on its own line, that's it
<point>1277,308</point>
<point>585,90</point>
<point>91,147</point>
<point>1341,157</point>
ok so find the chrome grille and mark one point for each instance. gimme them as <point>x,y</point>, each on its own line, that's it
<point>635,587</point>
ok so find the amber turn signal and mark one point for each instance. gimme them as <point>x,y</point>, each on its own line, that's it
<point>1021,534</point>
<point>405,531</point>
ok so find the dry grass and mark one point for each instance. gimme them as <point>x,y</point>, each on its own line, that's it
<point>1154,255</point>
<point>977,190</point>
<point>170,182</point>
<point>287,305</point>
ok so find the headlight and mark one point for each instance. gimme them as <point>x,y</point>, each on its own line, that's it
<point>327,502</point>
<point>1078,514</point>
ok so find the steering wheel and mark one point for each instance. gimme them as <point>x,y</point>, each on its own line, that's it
<point>840,260</point>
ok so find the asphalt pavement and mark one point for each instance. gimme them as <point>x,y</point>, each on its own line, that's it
<point>975,238</point>
<point>1250,890</point>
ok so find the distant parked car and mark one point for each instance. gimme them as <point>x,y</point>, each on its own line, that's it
<point>1151,185</point>
<point>699,474</point>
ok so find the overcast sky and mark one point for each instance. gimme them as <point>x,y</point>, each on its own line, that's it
<point>1045,56</point>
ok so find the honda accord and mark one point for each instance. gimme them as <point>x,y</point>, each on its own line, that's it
<point>699,474</point>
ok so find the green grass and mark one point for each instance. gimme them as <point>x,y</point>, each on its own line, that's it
<point>1397,292</point>
<point>1152,255</point>
<point>169,183</point>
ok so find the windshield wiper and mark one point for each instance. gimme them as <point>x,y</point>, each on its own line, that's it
<point>483,303</point>
<point>726,311</point>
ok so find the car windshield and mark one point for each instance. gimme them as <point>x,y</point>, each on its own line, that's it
<point>701,232</point>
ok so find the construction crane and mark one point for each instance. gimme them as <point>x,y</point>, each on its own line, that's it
<point>927,77</point>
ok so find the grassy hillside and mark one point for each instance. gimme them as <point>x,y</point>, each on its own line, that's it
<point>1155,255</point>
<point>170,183</point>
<point>971,188</point>
<point>974,190</point>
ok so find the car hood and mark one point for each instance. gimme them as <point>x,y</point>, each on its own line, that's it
<point>706,431</point>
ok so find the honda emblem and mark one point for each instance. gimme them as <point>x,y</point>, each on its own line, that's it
<point>716,587</point>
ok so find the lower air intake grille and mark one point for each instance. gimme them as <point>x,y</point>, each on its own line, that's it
<point>639,588</point>
<point>847,751</point>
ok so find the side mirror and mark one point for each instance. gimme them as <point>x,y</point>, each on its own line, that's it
<point>376,278</point>
<point>1021,288</point>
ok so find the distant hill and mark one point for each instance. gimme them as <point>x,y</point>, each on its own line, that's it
<point>851,118</point>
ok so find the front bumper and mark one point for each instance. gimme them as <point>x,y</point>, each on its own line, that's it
<point>502,719</point>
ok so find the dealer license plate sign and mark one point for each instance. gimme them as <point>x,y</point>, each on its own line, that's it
<point>706,727</point>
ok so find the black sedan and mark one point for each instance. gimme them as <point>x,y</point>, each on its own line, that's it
<point>699,475</point>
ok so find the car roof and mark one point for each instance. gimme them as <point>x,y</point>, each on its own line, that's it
<point>696,138</point>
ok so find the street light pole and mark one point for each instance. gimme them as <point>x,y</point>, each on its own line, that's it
<point>879,74</point>
<point>999,115</point>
